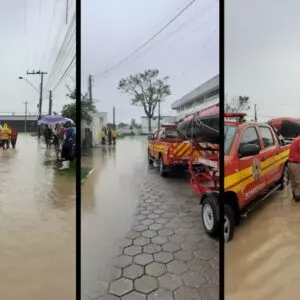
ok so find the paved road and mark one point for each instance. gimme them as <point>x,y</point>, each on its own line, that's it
<point>264,258</point>
<point>37,226</point>
<point>142,236</point>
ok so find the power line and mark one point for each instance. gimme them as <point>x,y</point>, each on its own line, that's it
<point>65,73</point>
<point>149,40</point>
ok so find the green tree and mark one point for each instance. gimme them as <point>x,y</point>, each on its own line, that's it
<point>146,90</point>
<point>238,104</point>
<point>87,108</point>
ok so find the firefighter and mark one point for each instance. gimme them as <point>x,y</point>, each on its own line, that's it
<point>114,136</point>
<point>5,136</point>
<point>294,168</point>
<point>103,135</point>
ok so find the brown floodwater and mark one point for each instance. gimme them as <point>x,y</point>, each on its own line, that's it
<point>109,198</point>
<point>263,260</point>
<point>37,225</point>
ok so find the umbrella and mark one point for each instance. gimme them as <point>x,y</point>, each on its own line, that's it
<point>52,120</point>
<point>71,121</point>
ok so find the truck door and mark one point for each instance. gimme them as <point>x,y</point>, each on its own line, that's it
<point>270,155</point>
<point>152,144</point>
<point>155,145</point>
<point>251,180</point>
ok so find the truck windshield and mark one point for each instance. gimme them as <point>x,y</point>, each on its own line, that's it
<point>229,135</point>
<point>170,133</point>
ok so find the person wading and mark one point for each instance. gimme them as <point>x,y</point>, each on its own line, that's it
<point>67,147</point>
<point>103,135</point>
<point>109,135</point>
<point>5,136</point>
<point>114,136</point>
<point>13,138</point>
<point>294,168</point>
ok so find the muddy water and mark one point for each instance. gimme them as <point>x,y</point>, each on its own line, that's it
<point>37,226</point>
<point>263,260</point>
<point>109,199</point>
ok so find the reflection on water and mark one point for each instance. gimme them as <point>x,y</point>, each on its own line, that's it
<point>263,260</point>
<point>109,198</point>
<point>37,226</point>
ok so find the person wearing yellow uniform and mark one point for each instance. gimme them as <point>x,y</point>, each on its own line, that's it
<point>5,132</point>
<point>114,136</point>
<point>103,135</point>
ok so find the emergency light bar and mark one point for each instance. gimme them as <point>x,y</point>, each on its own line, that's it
<point>239,116</point>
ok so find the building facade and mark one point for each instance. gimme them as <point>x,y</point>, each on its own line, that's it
<point>200,98</point>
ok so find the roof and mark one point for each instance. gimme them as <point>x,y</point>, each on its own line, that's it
<point>207,87</point>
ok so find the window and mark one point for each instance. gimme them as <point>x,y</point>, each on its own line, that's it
<point>229,135</point>
<point>171,134</point>
<point>267,136</point>
<point>249,137</point>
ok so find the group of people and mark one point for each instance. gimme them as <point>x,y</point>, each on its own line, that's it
<point>63,139</point>
<point>8,137</point>
<point>108,136</point>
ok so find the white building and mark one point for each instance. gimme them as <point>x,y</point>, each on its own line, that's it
<point>200,98</point>
<point>154,123</point>
<point>90,134</point>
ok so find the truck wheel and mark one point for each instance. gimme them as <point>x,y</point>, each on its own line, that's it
<point>210,215</point>
<point>228,223</point>
<point>162,168</point>
<point>150,160</point>
<point>284,181</point>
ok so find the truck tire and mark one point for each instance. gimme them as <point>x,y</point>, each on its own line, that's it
<point>210,215</point>
<point>150,160</point>
<point>228,223</point>
<point>284,181</point>
<point>162,168</point>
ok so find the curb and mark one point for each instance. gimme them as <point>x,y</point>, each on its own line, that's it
<point>87,176</point>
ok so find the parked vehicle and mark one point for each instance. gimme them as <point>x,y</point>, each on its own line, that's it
<point>255,167</point>
<point>170,151</point>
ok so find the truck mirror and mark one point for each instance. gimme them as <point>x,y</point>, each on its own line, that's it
<point>248,150</point>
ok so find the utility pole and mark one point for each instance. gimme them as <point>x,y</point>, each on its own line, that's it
<point>90,88</point>
<point>114,117</point>
<point>50,102</point>
<point>255,112</point>
<point>67,10</point>
<point>25,123</point>
<point>158,123</point>
<point>41,94</point>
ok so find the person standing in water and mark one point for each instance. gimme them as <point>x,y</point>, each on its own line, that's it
<point>103,135</point>
<point>67,147</point>
<point>114,136</point>
<point>13,138</point>
<point>294,168</point>
<point>109,135</point>
<point>5,136</point>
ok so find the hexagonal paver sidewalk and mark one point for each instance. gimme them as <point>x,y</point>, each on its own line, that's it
<point>166,255</point>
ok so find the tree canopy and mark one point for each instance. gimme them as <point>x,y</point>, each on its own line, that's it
<point>238,104</point>
<point>147,90</point>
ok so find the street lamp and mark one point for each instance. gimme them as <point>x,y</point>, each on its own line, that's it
<point>20,77</point>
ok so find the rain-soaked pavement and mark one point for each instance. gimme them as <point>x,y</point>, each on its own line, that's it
<point>142,236</point>
<point>37,226</point>
<point>263,260</point>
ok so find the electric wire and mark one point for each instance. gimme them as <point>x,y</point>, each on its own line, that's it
<point>149,40</point>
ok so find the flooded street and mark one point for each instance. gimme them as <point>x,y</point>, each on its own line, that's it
<point>142,235</point>
<point>37,225</point>
<point>263,260</point>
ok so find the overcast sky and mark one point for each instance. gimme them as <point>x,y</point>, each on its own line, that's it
<point>187,52</point>
<point>31,33</point>
<point>262,54</point>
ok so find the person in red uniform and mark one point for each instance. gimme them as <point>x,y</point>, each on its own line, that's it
<point>294,168</point>
<point>13,138</point>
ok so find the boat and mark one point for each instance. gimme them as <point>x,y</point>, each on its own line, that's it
<point>288,128</point>
<point>202,126</point>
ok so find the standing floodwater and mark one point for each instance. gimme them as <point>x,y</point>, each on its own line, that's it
<point>263,260</point>
<point>37,225</point>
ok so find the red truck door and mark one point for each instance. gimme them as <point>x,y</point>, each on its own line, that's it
<point>270,155</point>
<point>252,181</point>
<point>152,144</point>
